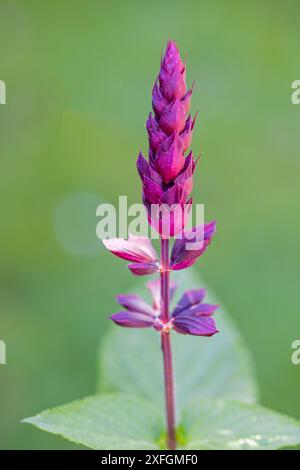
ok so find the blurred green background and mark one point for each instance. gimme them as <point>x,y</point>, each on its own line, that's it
<point>79,77</point>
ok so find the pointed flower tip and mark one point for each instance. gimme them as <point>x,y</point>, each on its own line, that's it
<point>194,120</point>
<point>171,46</point>
<point>171,58</point>
<point>211,228</point>
<point>142,165</point>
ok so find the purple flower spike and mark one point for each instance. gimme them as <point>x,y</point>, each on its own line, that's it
<point>168,176</point>
<point>139,250</point>
<point>191,245</point>
<point>167,183</point>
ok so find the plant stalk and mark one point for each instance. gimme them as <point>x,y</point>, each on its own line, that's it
<point>166,345</point>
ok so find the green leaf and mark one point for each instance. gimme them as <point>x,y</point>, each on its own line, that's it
<point>131,362</point>
<point>113,421</point>
<point>239,426</point>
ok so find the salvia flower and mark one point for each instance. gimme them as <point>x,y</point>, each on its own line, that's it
<point>190,316</point>
<point>139,250</point>
<point>167,183</point>
<point>168,175</point>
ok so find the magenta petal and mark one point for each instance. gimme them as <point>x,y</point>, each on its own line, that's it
<point>135,303</point>
<point>191,244</point>
<point>171,57</point>
<point>172,195</point>
<point>189,298</point>
<point>173,118</point>
<point>136,249</point>
<point>155,176</point>
<point>187,133</point>
<point>152,191</point>
<point>188,169</point>
<point>191,316</point>
<point>156,135</point>
<point>176,194</point>
<point>133,319</point>
<point>172,73</point>
<point>185,178</point>
<point>158,101</point>
<point>169,159</point>
<point>143,269</point>
<point>204,310</point>
<point>142,166</point>
<point>200,310</point>
<point>186,100</point>
<point>173,85</point>
<point>191,325</point>
<point>184,264</point>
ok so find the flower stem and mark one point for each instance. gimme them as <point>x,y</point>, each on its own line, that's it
<point>166,345</point>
